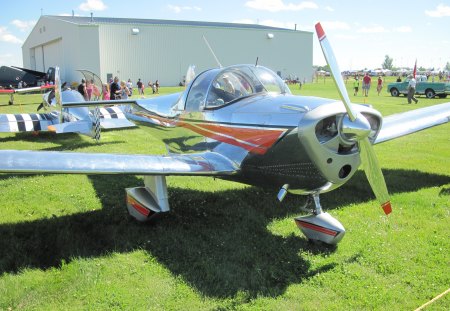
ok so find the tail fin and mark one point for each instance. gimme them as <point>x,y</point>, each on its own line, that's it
<point>190,75</point>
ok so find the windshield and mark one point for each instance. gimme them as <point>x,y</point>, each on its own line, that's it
<point>271,82</point>
<point>237,82</point>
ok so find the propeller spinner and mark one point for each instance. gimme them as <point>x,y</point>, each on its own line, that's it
<point>356,128</point>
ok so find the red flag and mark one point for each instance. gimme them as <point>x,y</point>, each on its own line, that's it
<point>415,69</point>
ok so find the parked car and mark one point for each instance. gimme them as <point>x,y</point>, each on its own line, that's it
<point>429,89</point>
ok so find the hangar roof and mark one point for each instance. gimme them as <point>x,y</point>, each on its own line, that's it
<point>84,20</point>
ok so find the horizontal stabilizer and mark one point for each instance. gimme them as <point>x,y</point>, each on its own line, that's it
<point>115,123</point>
<point>405,123</point>
<point>26,122</point>
<point>40,162</point>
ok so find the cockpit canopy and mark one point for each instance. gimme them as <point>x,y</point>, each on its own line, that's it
<point>218,87</point>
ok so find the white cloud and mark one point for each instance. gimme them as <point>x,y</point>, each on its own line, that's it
<point>441,11</point>
<point>92,5</point>
<point>403,29</point>
<point>329,8</point>
<point>23,25</point>
<point>177,9</point>
<point>335,25</point>
<point>5,36</point>
<point>372,29</point>
<point>279,5</point>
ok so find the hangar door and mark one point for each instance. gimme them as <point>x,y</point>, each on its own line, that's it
<point>48,55</point>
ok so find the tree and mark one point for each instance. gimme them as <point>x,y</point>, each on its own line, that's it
<point>387,63</point>
<point>447,67</point>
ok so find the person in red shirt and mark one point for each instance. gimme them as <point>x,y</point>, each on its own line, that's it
<point>366,84</point>
<point>379,85</point>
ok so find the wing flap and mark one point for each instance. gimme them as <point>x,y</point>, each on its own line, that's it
<point>208,163</point>
<point>413,121</point>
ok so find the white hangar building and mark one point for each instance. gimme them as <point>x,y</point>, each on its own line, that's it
<point>160,49</point>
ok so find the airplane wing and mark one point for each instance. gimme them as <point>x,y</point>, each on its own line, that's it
<point>27,89</point>
<point>405,123</point>
<point>204,164</point>
<point>31,89</point>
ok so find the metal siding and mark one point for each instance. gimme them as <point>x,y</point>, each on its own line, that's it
<point>39,58</point>
<point>79,47</point>
<point>53,54</point>
<point>164,52</point>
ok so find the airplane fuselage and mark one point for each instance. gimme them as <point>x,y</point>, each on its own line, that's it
<point>275,139</point>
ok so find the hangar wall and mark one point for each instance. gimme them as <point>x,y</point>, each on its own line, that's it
<point>162,51</point>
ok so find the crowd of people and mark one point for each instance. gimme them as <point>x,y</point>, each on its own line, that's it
<point>114,90</point>
<point>366,84</point>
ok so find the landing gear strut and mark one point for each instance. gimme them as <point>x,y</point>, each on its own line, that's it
<point>320,226</point>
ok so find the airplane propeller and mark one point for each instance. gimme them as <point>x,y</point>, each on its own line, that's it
<point>355,127</point>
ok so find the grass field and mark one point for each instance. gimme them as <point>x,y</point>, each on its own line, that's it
<point>66,242</point>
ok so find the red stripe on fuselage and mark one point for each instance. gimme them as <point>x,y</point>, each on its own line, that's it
<point>255,136</point>
<point>315,227</point>
<point>7,91</point>
<point>257,140</point>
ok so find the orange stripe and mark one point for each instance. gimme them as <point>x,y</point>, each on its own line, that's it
<point>7,91</point>
<point>259,137</point>
<point>255,140</point>
<point>228,140</point>
<point>315,227</point>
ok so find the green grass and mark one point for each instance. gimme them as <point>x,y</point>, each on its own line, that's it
<point>66,241</point>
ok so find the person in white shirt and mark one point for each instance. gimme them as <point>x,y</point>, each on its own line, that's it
<point>412,89</point>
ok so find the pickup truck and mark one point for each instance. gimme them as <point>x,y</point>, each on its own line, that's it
<point>429,89</point>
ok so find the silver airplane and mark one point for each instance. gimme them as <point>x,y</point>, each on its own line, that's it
<point>63,119</point>
<point>241,123</point>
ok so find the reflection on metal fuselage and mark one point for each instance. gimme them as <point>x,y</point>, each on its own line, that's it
<point>275,138</point>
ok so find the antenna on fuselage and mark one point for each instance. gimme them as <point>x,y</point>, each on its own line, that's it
<point>212,52</point>
<point>256,63</point>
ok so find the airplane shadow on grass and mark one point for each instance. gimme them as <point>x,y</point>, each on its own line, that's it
<point>217,242</point>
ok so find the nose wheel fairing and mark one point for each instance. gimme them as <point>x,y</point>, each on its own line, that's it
<point>320,226</point>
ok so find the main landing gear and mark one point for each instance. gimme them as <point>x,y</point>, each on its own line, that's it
<point>145,203</point>
<point>319,226</point>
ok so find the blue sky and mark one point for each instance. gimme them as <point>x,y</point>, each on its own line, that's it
<point>361,32</point>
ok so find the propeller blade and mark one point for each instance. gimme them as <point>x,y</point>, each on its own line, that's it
<point>41,105</point>
<point>374,174</point>
<point>58,96</point>
<point>335,71</point>
<point>367,154</point>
